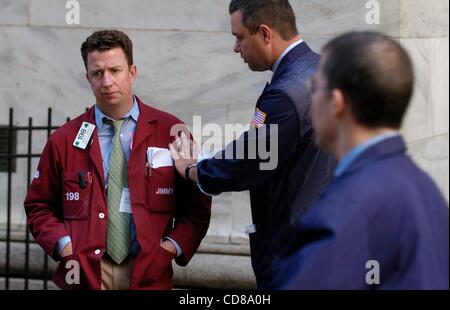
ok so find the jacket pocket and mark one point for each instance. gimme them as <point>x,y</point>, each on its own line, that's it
<point>160,190</point>
<point>68,273</point>
<point>160,269</point>
<point>77,189</point>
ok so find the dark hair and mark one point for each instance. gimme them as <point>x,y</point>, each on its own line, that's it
<point>104,40</point>
<point>277,14</point>
<point>376,75</point>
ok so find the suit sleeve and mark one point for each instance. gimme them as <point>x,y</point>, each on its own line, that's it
<point>255,157</point>
<point>44,200</point>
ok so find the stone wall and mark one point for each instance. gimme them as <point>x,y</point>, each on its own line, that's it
<point>186,66</point>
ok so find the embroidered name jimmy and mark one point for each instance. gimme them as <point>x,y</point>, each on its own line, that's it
<point>164,191</point>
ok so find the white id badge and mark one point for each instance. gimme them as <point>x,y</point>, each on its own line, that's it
<point>125,205</point>
<point>84,135</point>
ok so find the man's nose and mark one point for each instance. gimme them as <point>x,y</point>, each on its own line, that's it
<point>236,48</point>
<point>107,80</point>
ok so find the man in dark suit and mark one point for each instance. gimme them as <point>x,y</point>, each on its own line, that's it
<point>284,185</point>
<point>382,223</point>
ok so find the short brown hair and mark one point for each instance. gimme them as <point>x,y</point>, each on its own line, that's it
<point>105,40</point>
<point>277,14</point>
<point>375,73</point>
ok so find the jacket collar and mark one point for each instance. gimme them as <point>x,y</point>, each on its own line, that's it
<point>144,129</point>
<point>147,114</point>
<point>293,55</point>
<point>385,148</point>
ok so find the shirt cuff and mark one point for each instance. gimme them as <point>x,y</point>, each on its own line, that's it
<point>62,243</point>
<point>179,251</point>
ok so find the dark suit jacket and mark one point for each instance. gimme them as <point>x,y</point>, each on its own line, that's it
<point>280,195</point>
<point>383,208</point>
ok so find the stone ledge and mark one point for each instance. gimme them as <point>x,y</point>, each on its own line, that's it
<point>216,271</point>
<point>212,16</point>
<point>212,271</point>
<point>194,15</point>
<point>208,245</point>
<point>33,284</point>
<point>14,12</point>
<point>224,248</point>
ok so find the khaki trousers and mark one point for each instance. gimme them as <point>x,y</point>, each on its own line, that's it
<point>116,276</point>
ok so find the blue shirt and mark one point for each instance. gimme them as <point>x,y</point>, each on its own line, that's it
<point>354,153</point>
<point>105,135</point>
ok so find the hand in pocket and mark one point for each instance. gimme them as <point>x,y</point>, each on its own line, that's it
<point>67,251</point>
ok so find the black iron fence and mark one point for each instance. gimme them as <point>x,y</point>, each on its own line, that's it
<point>8,157</point>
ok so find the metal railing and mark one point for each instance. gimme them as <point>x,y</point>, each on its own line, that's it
<point>10,156</point>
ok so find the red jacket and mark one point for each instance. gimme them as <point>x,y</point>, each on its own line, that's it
<point>182,214</point>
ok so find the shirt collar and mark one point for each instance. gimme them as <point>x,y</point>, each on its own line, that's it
<point>286,51</point>
<point>99,115</point>
<point>354,153</point>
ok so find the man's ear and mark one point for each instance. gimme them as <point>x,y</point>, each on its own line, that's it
<point>339,103</point>
<point>266,33</point>
<point>133,72</point>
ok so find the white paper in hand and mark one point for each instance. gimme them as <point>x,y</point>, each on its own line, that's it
<point>159,157</point>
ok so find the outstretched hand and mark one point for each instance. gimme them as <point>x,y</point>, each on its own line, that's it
<point>184,152</point>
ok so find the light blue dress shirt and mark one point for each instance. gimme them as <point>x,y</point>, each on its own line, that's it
<point>105,135</point>
<point>355,152</point>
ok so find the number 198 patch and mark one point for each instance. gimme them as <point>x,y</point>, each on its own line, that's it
<point>72,196</point>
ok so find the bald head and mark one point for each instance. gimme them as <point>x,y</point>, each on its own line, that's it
<point>376,75</point>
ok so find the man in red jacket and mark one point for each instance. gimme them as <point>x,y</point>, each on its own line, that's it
<point>106,200</point>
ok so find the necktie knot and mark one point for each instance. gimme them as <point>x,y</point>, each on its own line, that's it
<point>117,125</point>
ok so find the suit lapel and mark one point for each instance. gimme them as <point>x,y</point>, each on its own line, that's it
<point>94,150</point>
